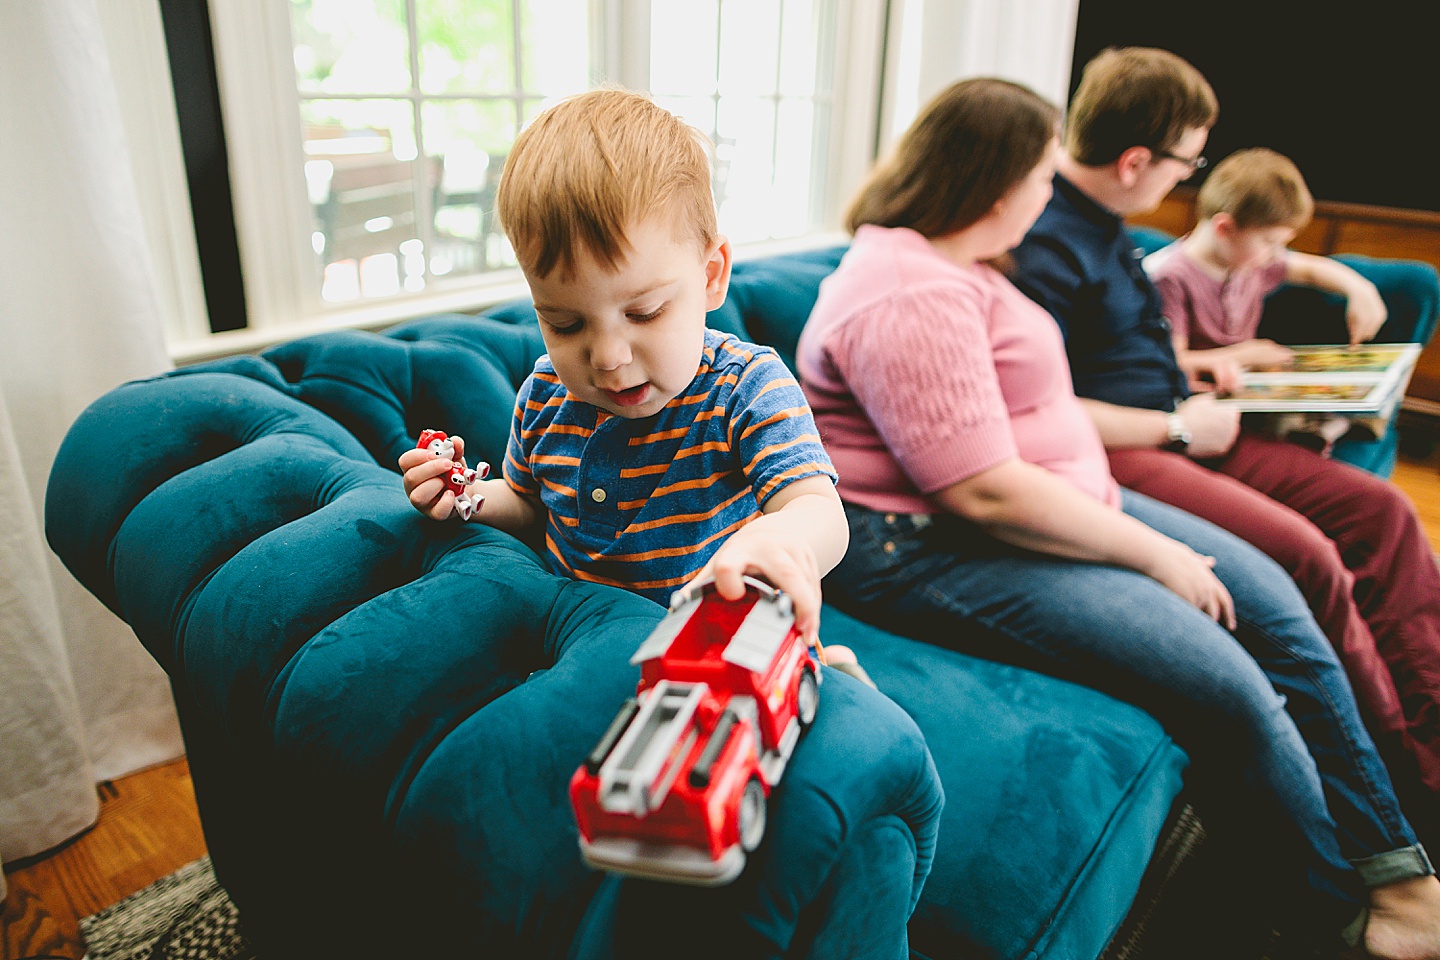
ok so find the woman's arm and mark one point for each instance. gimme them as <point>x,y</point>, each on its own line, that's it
<point>1030,507</point>
<point>1364,309</point>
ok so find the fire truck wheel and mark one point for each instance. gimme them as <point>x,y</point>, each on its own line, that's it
<point>752,815</point>
<point>807,698</point>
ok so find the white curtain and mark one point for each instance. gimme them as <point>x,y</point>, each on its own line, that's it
<point>80,699</point>
<point>933,43</point>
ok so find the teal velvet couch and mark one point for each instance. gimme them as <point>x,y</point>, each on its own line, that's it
<point>382,713</point>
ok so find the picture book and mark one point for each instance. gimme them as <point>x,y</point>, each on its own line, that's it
<point>1364,381</point>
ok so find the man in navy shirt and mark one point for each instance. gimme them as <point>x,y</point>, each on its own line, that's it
<point>1136,128</point>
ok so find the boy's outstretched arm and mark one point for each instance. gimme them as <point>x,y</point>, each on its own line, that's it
<point>799,538</point>
<point>424,480</point>
<point>1364,308</point>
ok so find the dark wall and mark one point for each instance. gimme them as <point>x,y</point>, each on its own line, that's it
<point>1347,91</point>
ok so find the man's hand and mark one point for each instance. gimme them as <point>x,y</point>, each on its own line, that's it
<point>1213,428</point>
<point>1364,313</point>
<point>424,479</point>
<point>1210,370</point>
<point>1192,577</point>
<point>784,561</point>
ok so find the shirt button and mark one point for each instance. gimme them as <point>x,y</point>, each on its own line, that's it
<point>598,495</point>
<point>890,519</point>
<point>889,547</point>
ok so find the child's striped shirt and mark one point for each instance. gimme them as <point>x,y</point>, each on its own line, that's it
<point>643,504</point>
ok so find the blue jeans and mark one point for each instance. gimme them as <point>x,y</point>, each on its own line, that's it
<point>1271,698</point>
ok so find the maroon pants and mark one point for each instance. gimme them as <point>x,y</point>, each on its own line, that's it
<point>1353,544</point>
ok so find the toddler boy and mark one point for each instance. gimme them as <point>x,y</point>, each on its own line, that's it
<point>655,451</point>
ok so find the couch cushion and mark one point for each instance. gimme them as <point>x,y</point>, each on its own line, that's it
<point>1054,797</point>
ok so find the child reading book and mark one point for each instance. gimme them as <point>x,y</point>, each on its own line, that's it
<point>1213,281</point>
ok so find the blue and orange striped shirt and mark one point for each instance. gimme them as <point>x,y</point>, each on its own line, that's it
<point>643,504</point>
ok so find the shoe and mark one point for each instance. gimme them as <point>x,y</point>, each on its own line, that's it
<point>1353,936</point>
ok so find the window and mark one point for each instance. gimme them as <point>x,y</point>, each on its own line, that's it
<point>366,136</point>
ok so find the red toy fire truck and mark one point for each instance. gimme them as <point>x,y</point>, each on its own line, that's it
<point>677,787</point>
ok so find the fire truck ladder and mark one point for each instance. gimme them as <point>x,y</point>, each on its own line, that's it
<point>637,775</point>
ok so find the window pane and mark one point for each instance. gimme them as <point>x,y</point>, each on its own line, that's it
<point>360,167</point>
<point>749,47</point>
<point>683,44</point>
<point>747,126</point>
<point>350,46</point>
<point>555,48</point>
<point>797,172</point>
<point>467,141</point>
<point>466,46</point>
<point>799,49</point>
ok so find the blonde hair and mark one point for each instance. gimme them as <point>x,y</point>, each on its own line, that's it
<point>1259,188</point>
<point>970,144</point>
<point>1136,97</point>
<point>591,167</point>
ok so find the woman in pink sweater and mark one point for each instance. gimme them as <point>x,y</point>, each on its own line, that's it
<point>983,516</point>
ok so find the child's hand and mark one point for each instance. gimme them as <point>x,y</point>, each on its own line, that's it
<point>424,479</point>
<point>1263,353</point>
<point>1364,313</point>
<point>783,561</point>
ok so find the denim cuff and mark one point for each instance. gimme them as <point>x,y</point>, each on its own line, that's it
<point>1403,864</point>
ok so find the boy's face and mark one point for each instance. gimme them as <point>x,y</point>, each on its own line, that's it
<point>1245,248</point>
<point>629,341</point>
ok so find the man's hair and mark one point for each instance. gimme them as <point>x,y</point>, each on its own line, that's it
<point>1135,97</point>
<point>966,149</point>
<point>590,168</point>
<point>1259,188</point>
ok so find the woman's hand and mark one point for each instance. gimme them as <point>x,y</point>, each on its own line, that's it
<point>1192,577</point>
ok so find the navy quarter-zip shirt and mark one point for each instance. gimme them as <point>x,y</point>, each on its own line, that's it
<point>1079,263</point>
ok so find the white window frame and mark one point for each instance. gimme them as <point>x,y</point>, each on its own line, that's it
<point>273,214</point>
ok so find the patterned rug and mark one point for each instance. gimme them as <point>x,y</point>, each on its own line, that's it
<point>184,916</point>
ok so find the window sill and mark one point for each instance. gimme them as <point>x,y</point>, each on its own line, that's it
<point>380,315</point>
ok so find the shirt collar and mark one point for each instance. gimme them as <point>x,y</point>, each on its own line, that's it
<point>1087,208</point>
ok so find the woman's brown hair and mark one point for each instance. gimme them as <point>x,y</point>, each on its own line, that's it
<point>966,149</point>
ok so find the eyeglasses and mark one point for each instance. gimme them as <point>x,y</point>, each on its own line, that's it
<point>1194,163</point>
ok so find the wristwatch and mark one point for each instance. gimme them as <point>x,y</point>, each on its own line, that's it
<point>1177,437</point>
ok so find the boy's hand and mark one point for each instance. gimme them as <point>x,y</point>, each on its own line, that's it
<point>1262,353</point>
<point>424,479</point>
<point>1364,313</point>
<point>785,562</point>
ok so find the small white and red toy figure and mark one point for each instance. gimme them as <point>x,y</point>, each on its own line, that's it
<point>461,477</point>
<point>677,787</point>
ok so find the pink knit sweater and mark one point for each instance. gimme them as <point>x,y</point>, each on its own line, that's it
<point>922,373</point>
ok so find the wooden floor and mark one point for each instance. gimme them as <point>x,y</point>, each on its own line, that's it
<point>149,825</point>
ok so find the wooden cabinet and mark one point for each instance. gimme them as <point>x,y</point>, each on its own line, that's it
<point>1348,228</point>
